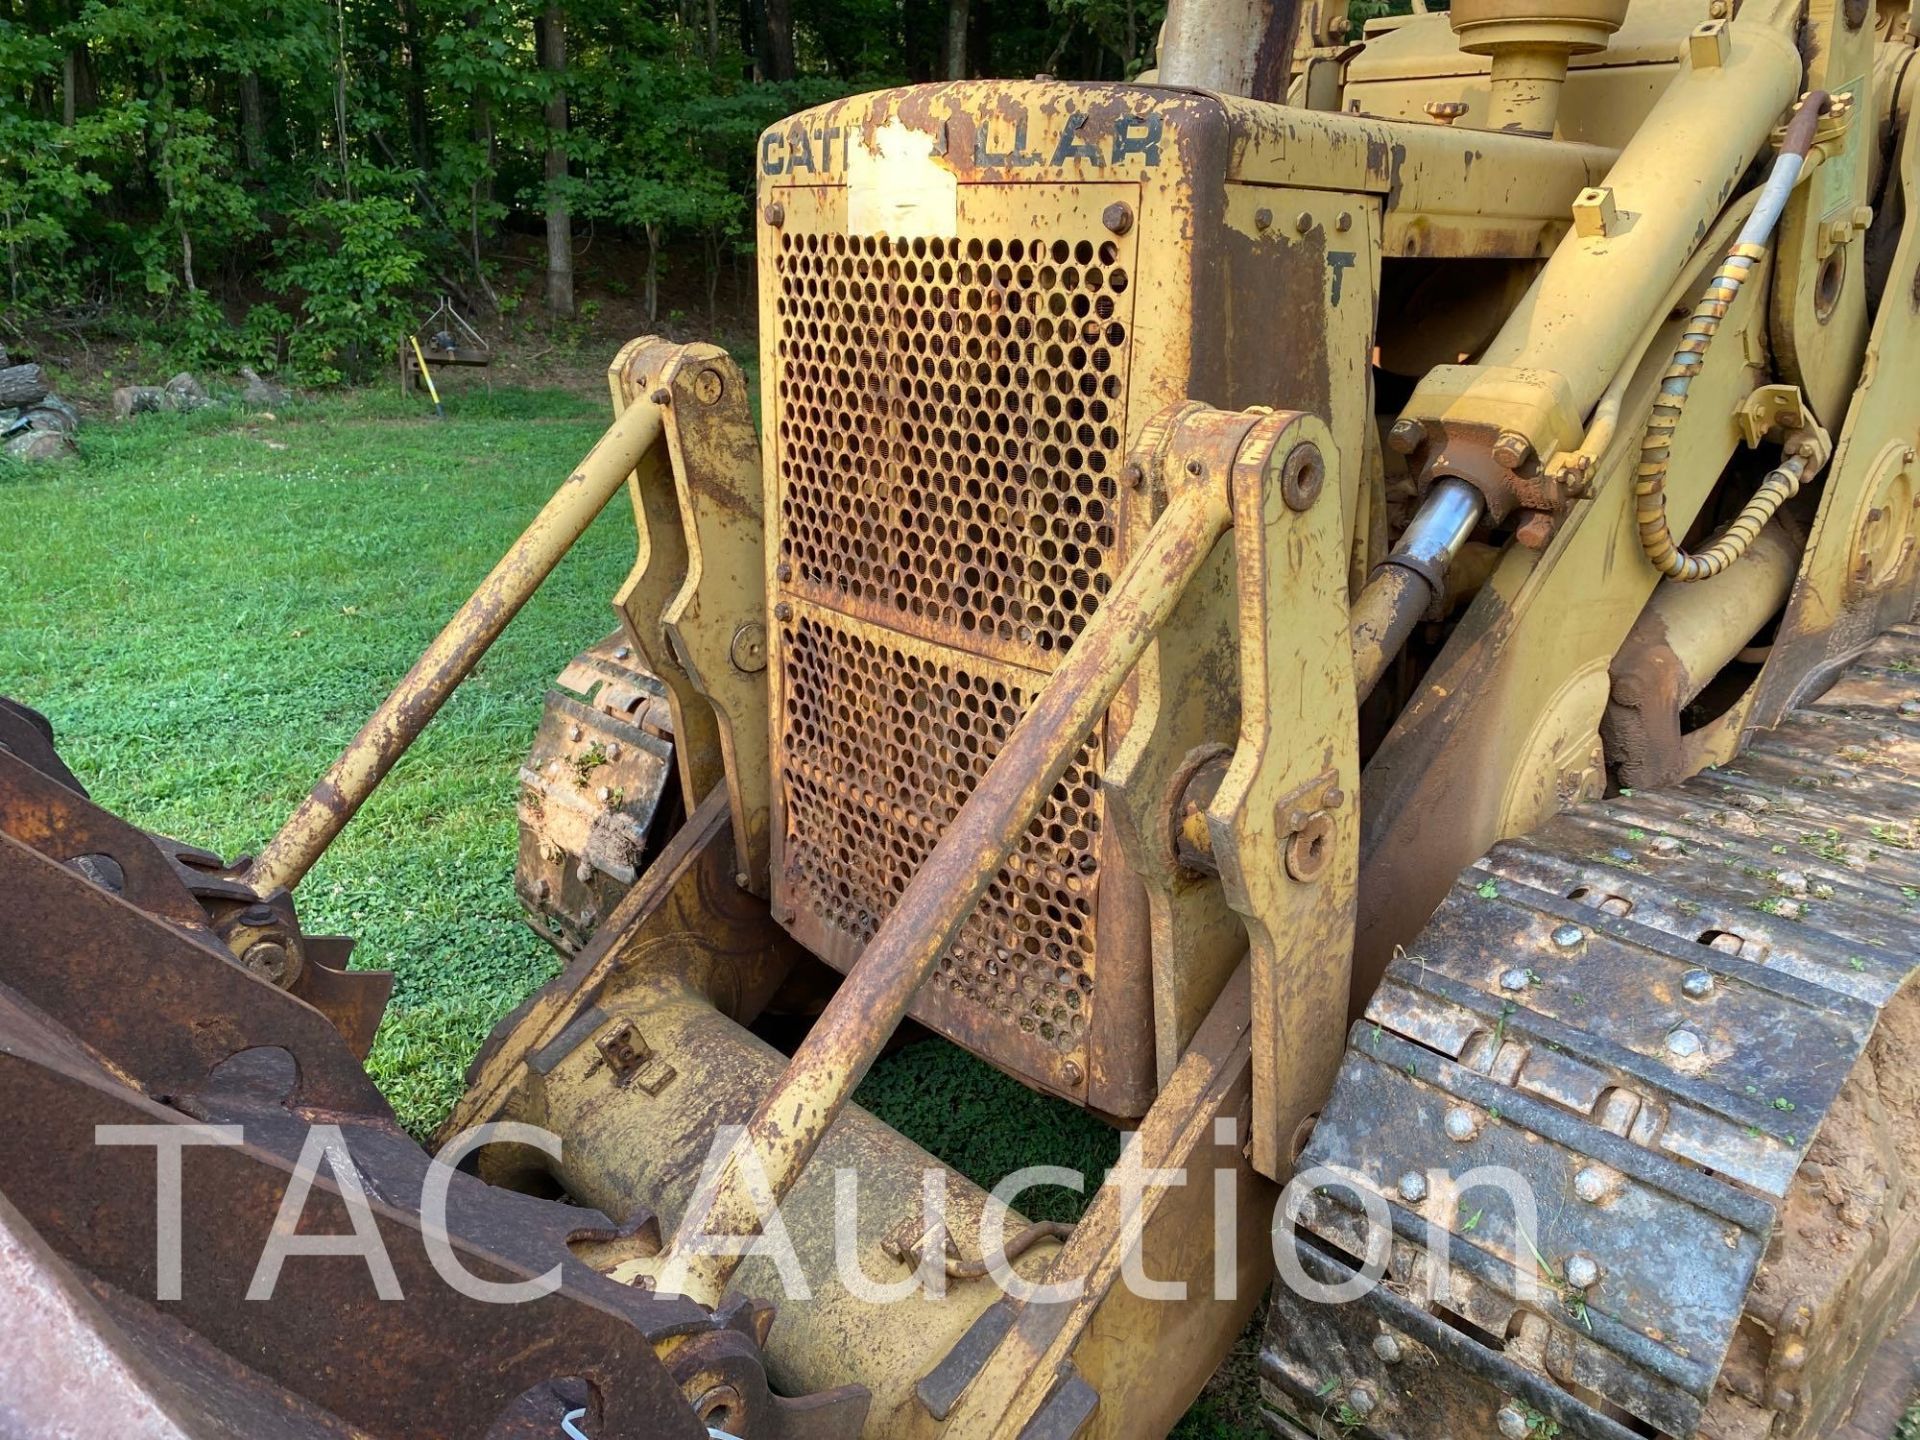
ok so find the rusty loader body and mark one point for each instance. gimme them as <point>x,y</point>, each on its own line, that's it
<point>1346,607</point>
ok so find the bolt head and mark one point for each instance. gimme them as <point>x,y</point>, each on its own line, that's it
<point>1512,1423</point>
<point>776,214</point>
<point>1461,1125</point>
<point>1118,217</point>
<point>1583,1272</point>
<point>1665,845</point>
<point>1413,1187</point>
<point>1512,449</point>
<point>1303,222</point>
<point>1387,1348</point>
<point>1515,979</point>
<point>1262,218</point>
<point>1360,1398</point>
<point>575,733</point>
<point>1592,1185</point>
<point>1683,1044</point>
<point>621,652</point>
<point>1697,984</point>
<point>1568,937</point>
<point>1910,707</point>
<point>1405,436</point>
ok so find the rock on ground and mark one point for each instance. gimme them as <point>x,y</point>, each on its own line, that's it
<point>260,394</point>
<point>40,445</point>
<point>187,392</point>
<point>52,413</point>
<point>131,400</point>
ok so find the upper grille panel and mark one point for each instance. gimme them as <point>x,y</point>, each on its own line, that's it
<point>951,419</point>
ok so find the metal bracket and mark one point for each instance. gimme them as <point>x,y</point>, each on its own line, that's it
<point>1297,742</point>
<point>696,600</point>
<point>1771,410</point>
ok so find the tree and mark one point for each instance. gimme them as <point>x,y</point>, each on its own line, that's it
<point>957,39</point>
<point>553,59</point>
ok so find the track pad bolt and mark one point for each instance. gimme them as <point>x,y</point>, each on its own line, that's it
<point>1593,1184</point>
<point>1683,1044</point>
<point>1413,1187</point>
<point>1697,984</point>
<point>1387,1347</point>
<point>1568,937</point>
<point>1512,1423</point>
<point>1515,979</point>
<point>1360,1399</point>
<point>1461,1125</point>
<point>1583,1272</point>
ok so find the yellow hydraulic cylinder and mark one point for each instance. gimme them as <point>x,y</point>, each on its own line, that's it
<point>1591,302</point>
<point>456,650</point>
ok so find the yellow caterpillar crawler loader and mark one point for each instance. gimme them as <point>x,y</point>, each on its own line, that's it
<point>1347,607</point>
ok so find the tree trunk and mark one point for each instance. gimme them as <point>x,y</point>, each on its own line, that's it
<point>650,292</point>
<point>779,31</point>
<point>553,59</point>
<point>253,124</point>
<point>340,96</point>
<point>22,385</point>
<point>79,88</point>
<point>957,39</point>
<point>419,132</point>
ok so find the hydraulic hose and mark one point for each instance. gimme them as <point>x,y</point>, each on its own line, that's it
<point>1656,446</point>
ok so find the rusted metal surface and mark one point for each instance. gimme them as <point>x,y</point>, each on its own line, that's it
<point>695,605</point>
<point>1033,1368</point>
<point>1683,1017</point>
<point>188,888</point>
<point>111,1014</point>
<point>1687,636</point>
<point>598,793</point>
<point>957,872</point>
<point>639,1131</point>
<point>975,388</point>
<point>454,652</point>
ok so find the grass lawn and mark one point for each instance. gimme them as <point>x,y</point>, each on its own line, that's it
<point>207,607</point>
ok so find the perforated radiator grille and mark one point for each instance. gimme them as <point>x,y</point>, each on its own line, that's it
<point>949,434</point>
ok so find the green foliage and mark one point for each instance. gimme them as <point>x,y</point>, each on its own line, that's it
<point>163,163</point>
<point>355,266</point>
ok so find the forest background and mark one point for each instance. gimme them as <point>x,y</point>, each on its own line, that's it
<point>291,184</point>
